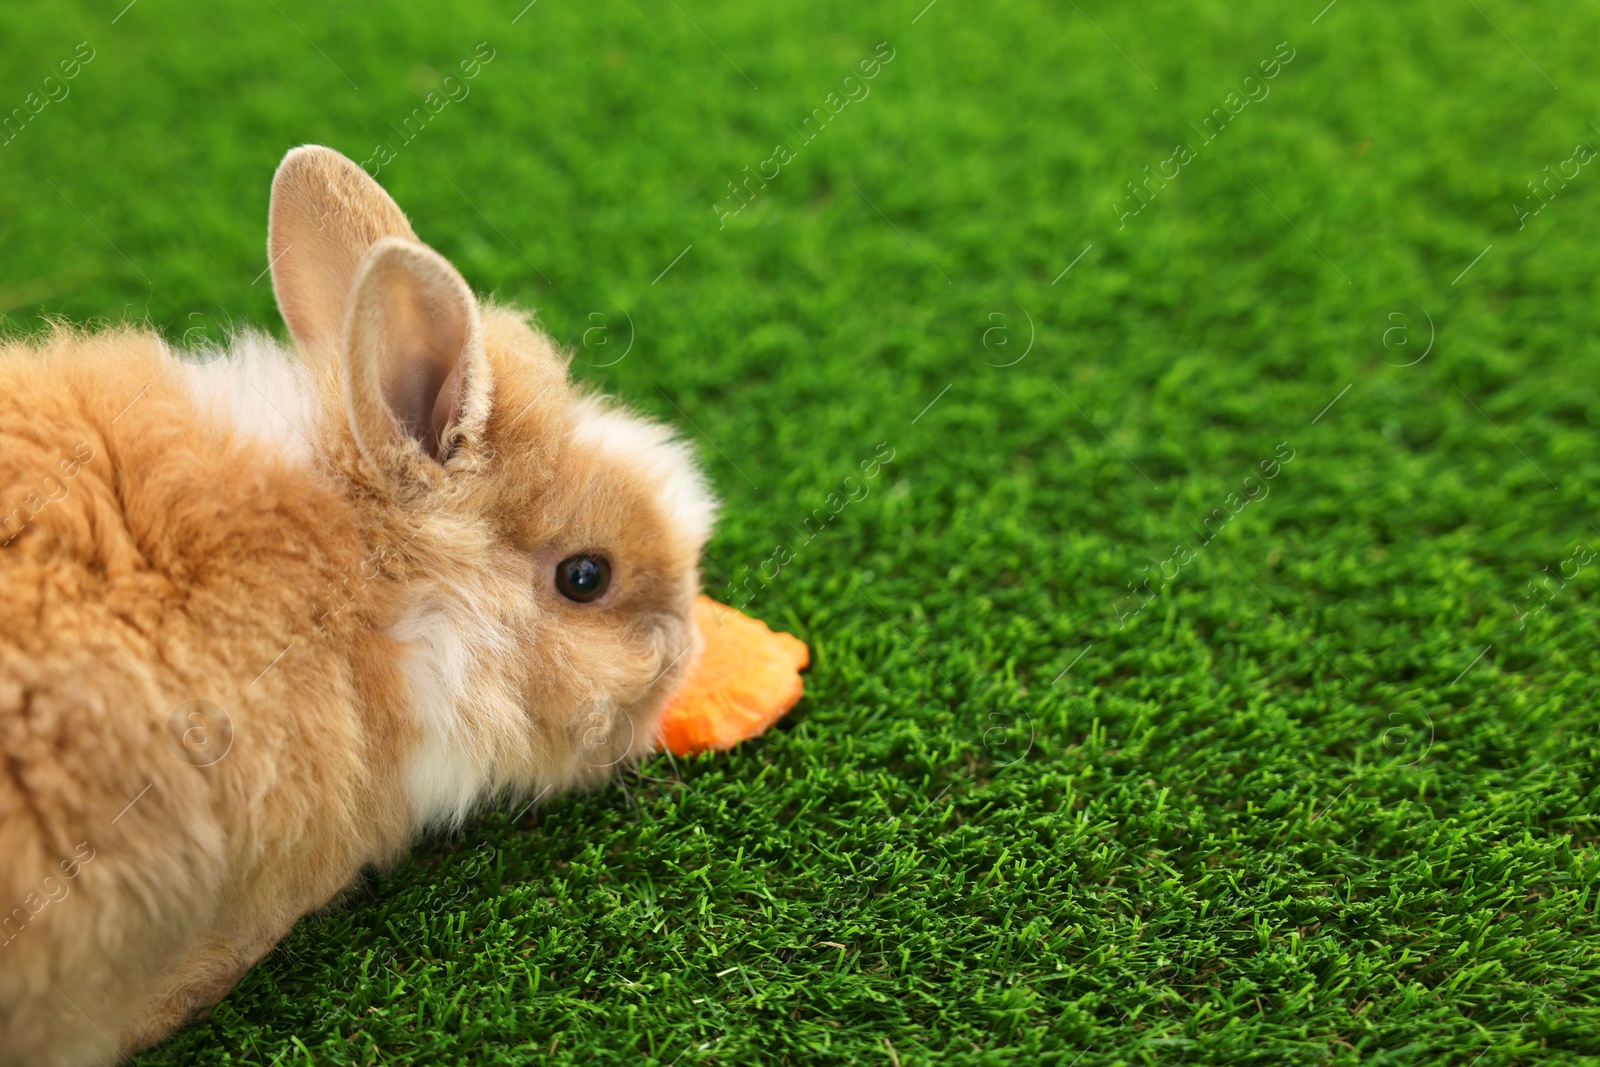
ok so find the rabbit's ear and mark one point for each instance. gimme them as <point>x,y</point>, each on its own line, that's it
<point>325,213</point>
<point>416,378</point>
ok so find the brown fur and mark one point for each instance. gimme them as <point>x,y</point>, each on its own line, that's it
<point>179,560</point>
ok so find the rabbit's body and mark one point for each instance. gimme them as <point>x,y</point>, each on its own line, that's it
<point>260,628</point>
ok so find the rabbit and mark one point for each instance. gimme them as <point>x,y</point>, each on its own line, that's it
<point>269,617</point>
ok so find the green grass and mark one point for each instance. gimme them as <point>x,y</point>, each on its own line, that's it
<point>1329,797</point>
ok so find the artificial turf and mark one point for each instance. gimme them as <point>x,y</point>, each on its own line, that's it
<point>1115,748</point>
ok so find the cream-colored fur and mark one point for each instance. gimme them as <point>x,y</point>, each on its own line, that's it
<point>636,442</point>
<point>347,552</point>
<point>255,387</point>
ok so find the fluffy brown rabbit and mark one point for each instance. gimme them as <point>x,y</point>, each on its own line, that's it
<point>268,617</point>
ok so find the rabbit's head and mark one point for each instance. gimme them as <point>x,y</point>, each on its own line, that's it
<point>543,543</point>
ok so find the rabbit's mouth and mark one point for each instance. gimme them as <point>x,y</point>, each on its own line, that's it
<point>609,732</point>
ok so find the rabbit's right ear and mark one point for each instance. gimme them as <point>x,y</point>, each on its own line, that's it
<point>326,212</point>
<point>417,381</point>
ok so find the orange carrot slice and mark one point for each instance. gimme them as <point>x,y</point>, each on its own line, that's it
<point>747,678</point>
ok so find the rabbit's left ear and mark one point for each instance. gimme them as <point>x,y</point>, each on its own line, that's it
<point>326,212</point>
<point>417,381</point>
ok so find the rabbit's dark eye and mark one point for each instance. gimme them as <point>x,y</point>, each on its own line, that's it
<point>583,578</point>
